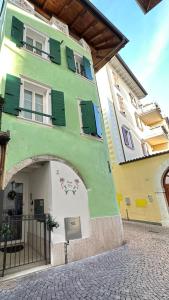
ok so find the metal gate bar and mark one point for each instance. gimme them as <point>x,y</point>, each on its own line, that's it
<point>24,240</point>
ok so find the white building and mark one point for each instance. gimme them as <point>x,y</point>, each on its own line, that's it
<point>134,129</point>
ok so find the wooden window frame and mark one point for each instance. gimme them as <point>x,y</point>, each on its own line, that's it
<point>39,89</point>
<point>37,36</point>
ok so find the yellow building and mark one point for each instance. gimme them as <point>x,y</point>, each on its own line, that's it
<point>142,187</point>
<point>138,139</point>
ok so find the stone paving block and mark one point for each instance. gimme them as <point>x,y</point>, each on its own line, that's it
<point>138,270</point>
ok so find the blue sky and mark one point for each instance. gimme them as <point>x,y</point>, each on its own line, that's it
<point>147,53</point>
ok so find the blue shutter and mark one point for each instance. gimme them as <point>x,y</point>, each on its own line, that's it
<point>97,120</point>
<point>87,68</point>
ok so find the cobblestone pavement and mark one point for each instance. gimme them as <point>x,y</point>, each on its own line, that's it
<point>137,270</point>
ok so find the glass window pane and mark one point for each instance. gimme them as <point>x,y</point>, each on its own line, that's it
<point>27,104</point>
<point>30,42</point>
<point>39,46</point>
<point>39,107</point>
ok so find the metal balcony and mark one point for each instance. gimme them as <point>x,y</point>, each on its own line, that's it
<point>157,135</point>
<point>150,114</point>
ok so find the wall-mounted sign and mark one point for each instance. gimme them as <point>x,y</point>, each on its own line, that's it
<point>128,201</point>
<point>150,198</point>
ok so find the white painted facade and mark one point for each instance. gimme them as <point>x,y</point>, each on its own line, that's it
<point>65,196</point>
<point>121,97</point>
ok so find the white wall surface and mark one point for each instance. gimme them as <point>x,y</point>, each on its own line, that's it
<point>105,93</point>
<point>40,186</point>
<point>68,204</point>
<point>109,101</point>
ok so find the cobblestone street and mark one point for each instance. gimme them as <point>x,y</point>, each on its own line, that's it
<point>137,270</point>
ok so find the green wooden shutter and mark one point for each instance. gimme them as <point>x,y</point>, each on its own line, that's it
<point>12,95</point>
<point>88,117</point>
<point>17,32</point>
<point>70,59</point>
<point>87,68</point>
<point>55,54</point>
<point>58,108</point>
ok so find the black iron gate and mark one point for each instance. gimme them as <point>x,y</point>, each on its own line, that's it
<point>24,240</point>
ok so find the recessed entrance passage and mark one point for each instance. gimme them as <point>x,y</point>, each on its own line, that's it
<point>24,235</point>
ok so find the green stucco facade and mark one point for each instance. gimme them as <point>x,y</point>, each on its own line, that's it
<point>87,154</point>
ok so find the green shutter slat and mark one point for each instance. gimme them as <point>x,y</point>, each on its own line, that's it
<point>87,68</point>
<point>58,108</point>
<point>55,53</point>
<point>88,117</point>
<point>17,32</point>
<point>12,95</point>
<point>70,59</point>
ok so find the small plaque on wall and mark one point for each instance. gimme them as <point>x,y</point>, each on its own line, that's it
<point>128,201</point>
<point>72,228</point>
<point>150,198</point>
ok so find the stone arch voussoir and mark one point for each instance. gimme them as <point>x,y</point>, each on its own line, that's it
<point>39,158</point>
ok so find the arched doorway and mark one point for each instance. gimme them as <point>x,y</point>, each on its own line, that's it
<point>41,186</point>
<point>166,185</point>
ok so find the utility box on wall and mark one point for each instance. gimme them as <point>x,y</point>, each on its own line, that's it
<point>72,228</point>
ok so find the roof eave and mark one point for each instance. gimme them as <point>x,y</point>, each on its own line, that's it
<point>131,74</point>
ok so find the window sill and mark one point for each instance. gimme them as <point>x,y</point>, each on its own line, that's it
<point>84,78</point>
<point>92,137</point>
<point>35,122</point>
<point>36,55</point>
<point>123,114</point>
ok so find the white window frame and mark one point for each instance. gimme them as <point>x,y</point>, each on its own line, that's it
<point>123,112</point>
<point>35,87</point>
<point>43,39</point>
<point>138,122</point>
<point>133,100</point>
<point>76,58</point>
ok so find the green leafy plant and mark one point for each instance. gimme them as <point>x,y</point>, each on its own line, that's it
<point>52,223</point>
<point>5,231</point>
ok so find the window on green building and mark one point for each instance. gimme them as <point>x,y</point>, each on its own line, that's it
<point>90,119</point>
<point>35,98</point>
<point>36,42</point>
<point>79,64</point>
<point>34,101</point>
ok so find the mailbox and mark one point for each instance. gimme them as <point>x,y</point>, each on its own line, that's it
<point>72,228</point>
<point>38,208</point>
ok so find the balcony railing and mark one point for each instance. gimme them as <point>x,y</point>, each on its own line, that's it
<point>150,114</point>
<point>148,108</point>
<point>157,135</point>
